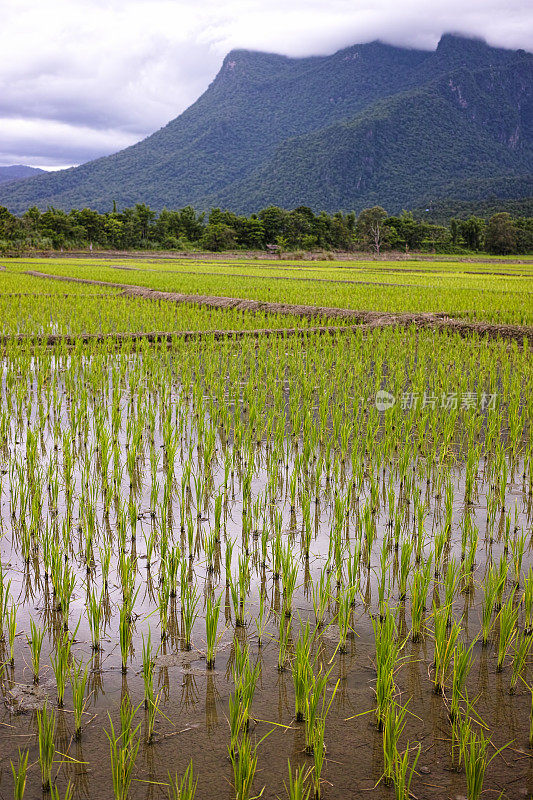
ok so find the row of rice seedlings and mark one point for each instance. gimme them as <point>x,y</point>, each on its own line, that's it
<point>388,646</point>
<point>480,295</point>
<point>282,556</point>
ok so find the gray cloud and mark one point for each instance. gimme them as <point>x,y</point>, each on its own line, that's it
<point>83,79</point>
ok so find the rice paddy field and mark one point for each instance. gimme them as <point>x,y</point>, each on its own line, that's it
<point>290,562</point>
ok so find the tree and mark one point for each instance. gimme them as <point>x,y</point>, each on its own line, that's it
<point>409,231</point>
<point>192,224</point>
<point>524,235</point>
<point>275,223</point>
<point>93,224</point>
<point>371,227</point>
<point>218,236</point>
<point>472,232</point>
<point>500,236</point>
<point>8,223</point>
<point>144,218</point>
<point>114,229</point>
<point>455,230</point>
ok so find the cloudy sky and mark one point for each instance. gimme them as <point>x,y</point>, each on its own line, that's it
<point>83,78</point>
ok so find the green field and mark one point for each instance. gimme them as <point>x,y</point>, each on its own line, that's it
<point>493,292</point>
<point>297,565</point>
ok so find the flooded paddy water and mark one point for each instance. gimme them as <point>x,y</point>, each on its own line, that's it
<point>335,550</point>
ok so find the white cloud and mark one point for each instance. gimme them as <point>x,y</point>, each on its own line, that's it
<point>57,142</point>
<point>82,78</point>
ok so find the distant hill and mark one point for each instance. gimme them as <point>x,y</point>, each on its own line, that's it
<point>18,172</point>
<point>371,124</point>
<point>442,211</point>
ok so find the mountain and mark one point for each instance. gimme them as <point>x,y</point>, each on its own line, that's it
<point>370,124</point>
<point>18,172</point>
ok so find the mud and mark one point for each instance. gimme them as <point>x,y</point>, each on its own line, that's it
<point>23,699</point>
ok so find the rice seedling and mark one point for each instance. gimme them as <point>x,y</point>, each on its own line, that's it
<point>46,726</point>
<point>317,708</point>
<point>383,579</point>
<point>302,670</point>
<point>388,650</point>
<point>321,592</point>
<point>125,635</point>
<point>151,714</point>
<point>245,678</point>
<point>441,541</point>
<point>211,625</point>
<point>239,591</point>
<point>244,762</point>
<point>528,602</point>
<point>148,669</point>
<point>238,722</point>
<point>78,682</point>
<point>501,580</point>
<point>289,576</point>
<point>517,549</point>
<point>189,603</point>
<point>184,789</point>
<point>261,619</point>
<point>60,661</point>
<point>228,558</point>
<point>507,618</point>
<point>462,664</point>
<point>283,641</point>
<point>319,754</point>
<point>11,623</point>
<point>474,747</point>
<point>404,771</point>
<point>35,642</point>
<point>419,587</point>
<point>405,567</point>
<point>452,578</point>
<point>393,725</point>
<point>94,614</point>
<point>522,648</point>
<point>68,795</point>
<point>297,789</point>
<point>490,593</point>
<point>123,751</point>
<point>163,595</point>
<point>20,775</point>
<point>445,641</point>
<point>470,559</point>
<point>344,614</point>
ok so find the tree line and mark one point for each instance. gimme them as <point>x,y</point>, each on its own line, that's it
<point>272,228</point>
